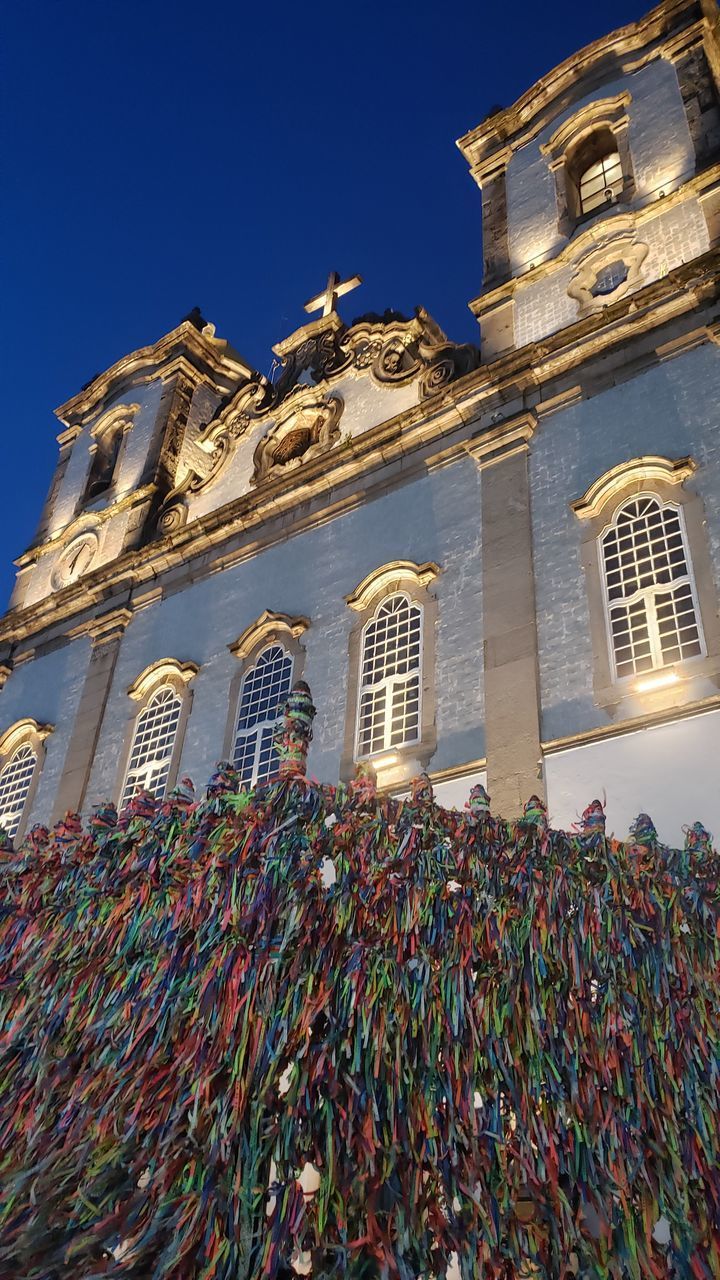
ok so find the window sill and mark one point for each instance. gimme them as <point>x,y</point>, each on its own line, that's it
<point>622,698</point>
<point>398,765</point>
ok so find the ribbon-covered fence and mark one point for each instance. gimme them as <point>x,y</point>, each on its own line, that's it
<point>317,1030</point>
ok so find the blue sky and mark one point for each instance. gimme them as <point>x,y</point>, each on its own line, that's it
<point>164,155</point>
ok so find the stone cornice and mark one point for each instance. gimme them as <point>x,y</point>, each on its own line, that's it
<point>265,629</point>
<point>600,110</point>
<point>633,724</point>
<point>83,521</point>
<point>378,582</point>
<point>105,626</point>
<point>620,477</point>
<point>432,433</point>
<point>183,349</point>
<point>164,670</point>
<point>511,436</point>
<point>622,51</point>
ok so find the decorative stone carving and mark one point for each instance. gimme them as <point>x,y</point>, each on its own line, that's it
<point>173,514</point>
<point>608,271</point>
<point>319,352</point>
<point>308,430</point>
<point>397,349</point>
<point>445,361</point>
<point>216,444</point>
<point>391,348</point>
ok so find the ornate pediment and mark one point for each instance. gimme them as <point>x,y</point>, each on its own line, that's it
<point>391,348</point>
<point>298,404</point>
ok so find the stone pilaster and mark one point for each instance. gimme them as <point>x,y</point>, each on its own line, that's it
<point>106,633</point>
<point>510,646</point>
<point>496,246</point>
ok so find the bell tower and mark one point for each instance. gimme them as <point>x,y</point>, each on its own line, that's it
<point>121,455</point>
<point>602,178</point>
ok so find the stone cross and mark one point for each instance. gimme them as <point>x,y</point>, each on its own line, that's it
<point>334,289</point>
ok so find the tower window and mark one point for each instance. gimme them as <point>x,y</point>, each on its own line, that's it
<point>104,463</point>
<point>601,183</point>
<point>390,679</point>
<point>650,596</point>
<point>153,744</point>
<point>15,779</point>
<point>594,173</point>
<point>263,693</point>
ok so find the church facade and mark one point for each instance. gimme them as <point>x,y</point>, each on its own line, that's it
<point>497,563</point>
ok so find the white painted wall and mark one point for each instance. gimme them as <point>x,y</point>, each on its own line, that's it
<point>454,794</point>
<point>36,584</point>
<point>132,461</point>
<point>675,236</point>
<point>436,517</point>
<point>671,772</point>
<point>662,157</point>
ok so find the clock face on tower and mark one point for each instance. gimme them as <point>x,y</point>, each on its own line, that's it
<point>75,560</point>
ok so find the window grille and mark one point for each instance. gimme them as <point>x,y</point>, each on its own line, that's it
<point>15,779</point>
<point>649,591</point>
<point>153,743</point>
<point>265,689</point>
<point>389,698</point>
<point>601,178</point>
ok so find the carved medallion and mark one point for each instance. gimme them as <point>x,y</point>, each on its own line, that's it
<point>307,431</point>
<point>608,271</point>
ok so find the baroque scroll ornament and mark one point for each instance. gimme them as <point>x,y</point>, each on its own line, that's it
<point>301,412</point>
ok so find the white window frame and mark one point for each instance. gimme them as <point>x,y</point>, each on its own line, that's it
<point>11,821</point>
<point>260,726</point>
<point>648,593</point>
<point>143,773</point>
<point>388,682</point>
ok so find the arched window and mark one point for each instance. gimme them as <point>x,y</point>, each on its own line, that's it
<point>15,780</point>
<point>601,183</point>
<point>104,463</point>
<point>152,754</point>
<point>389,711</point>
<point>22,752</point>
<point>650,596</point>
<point>595,168</point>
<point>153,743</point>
<point>590,156</point>
<point>108,436</point>
<point>264,690</point>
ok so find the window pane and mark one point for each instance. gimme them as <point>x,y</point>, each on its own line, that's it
<point>389,702</point>
<point>153,742</point>
<point>602,176</point>
<point>15,781</point>
<point>652,619</point>
<point>264,692</point>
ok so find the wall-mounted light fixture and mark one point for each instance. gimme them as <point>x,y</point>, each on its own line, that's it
<point>660,681</point>
<point>385,761</point>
